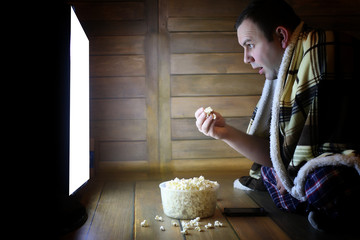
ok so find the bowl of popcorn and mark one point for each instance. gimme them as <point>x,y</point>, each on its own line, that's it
<point>189,198</point>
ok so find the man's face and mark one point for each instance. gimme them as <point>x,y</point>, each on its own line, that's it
<point>258,51</point>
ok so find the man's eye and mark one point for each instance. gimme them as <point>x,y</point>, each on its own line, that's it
<point>251,46</point>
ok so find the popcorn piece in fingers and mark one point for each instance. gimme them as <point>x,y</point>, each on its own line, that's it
<point>209,111</point>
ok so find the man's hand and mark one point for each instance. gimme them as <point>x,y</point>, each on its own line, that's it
<point>279,185</point>
<point>208,125</point>
<point>252,147</point>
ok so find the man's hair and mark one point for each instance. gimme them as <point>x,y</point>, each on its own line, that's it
<point>268,15</point>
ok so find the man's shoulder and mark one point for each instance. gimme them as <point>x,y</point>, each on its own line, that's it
<point>317,37</point>
<point>313,37</point>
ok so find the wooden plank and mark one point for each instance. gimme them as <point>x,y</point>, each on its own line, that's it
<point>123,151</point>
<point>106,45</point>
<point>111,169</point>
<point>201,25</point>
<point>209,63</point>
<point>216,85</point>
<point>247,227</point>
<point>117,87</point>
<point>205,8</point>
<point>216,164</point>
<point>114,213</point>
<point>339,23</point>
<point>152,82</point>
<point>147,206</point>
<point>119,130</point>
<point>88,195</point>
<point>224,232</point>
<point>111,109</point>
<point>95,28</point>
<point>330,8</point>
<point>182,129</point>
<point>204,42</point>
<point>288,222</point>
<point>112,66</point>
<point>190,149</point>
<point>229,197</point>
<point>240,106</point>
<point>110,11</point>
<point>164,86</point>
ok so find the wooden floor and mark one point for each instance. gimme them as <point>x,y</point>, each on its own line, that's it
<point>117,205</point>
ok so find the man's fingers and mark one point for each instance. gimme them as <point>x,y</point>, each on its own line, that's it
<point>206,125</point>
<point>200,120</point>
<point>198,112</point>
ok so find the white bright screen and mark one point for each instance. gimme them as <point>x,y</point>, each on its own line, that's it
<point>79,106</point>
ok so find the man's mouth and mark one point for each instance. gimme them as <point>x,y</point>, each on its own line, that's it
<point>261,70</point>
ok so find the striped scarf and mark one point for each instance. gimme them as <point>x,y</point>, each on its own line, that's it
<point>314,109</point>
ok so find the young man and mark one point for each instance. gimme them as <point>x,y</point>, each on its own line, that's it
<point>305,130</point>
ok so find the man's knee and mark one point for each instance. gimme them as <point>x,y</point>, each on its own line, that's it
<point>334,190</point>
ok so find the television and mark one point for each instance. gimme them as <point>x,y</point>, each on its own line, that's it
<point>79,136</point>
<point>49,64</point>
<point>73,120</point>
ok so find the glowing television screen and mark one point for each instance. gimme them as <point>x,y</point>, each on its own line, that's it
<point>79,149</point>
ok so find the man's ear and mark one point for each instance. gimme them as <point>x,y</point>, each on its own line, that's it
<point>283,35</point>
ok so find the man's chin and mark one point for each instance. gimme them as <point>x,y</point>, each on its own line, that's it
<point>270,76</point>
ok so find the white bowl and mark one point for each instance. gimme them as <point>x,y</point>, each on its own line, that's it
<point>188,204</point>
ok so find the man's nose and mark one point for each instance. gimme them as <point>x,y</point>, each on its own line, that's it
<point>247,57</point>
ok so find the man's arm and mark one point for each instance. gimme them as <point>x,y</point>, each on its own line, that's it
<point>252,147</point>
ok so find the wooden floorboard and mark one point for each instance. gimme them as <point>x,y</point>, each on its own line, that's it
<point>116,207</point>
<point>230,197</point>
<point>248,227</point>
<point>89,196</point>
<point>113,217</point>
<point>147,206</point>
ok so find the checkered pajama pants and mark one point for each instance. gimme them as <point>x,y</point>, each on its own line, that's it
<point>325,186</point>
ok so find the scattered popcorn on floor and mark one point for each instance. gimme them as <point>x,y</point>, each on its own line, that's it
<point>191,224</point>
<point>186,225</point>
<point>174,223</point>
<point>158,218</point>
<point>144,223</point>
<point>209,225</point>
<point>198,229</point>
<point>218,224</point>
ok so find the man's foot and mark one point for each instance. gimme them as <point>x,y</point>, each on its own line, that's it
<point>324,223</point>
<point>316,221</point>
<point>249,183</point>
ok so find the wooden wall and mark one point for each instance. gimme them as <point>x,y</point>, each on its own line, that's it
<point>123,81</point>
<point>206,68</point>
<point>154,62</point>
